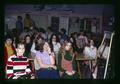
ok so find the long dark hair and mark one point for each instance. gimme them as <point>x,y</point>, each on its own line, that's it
<point>39,46</point>
<point>57,40</point>
<point>74,45</point>
<point>37,38</point>
<point>26,37</point>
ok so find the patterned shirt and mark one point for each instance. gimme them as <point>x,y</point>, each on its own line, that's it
<point>90,51</point>
<point>17,65</point>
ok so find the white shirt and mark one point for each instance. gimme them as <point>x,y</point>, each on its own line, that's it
<point>105,52</point>
<point>56,47</point>
<point>33,48</point>
<point>90,51</point>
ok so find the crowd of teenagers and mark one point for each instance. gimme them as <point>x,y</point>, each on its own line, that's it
<point>54,53</point>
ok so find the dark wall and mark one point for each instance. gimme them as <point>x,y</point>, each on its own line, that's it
<point>108,12</point>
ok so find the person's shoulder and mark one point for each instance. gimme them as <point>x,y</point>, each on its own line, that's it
<point>37,52</point>
<point>45,52</point>
<point>24,57</point>
<point>84,37</point>
<point>12,56</point>
<point>58,43</point>
<point>95,47</point>
<point>86,47</point>
<point>79,36</point>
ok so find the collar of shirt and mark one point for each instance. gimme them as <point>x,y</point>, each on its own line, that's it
<point>19,56</point>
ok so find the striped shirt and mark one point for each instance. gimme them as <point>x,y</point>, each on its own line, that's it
<point>17,66</point>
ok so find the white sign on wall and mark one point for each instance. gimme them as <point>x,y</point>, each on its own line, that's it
<point>93,29</point>
<point>64,23</point>
<point>10,21</point>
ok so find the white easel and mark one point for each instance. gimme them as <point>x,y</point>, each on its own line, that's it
<point>111,38</point>
<point>106,66</point>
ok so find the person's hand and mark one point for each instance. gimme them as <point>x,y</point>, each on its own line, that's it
<point>33,77</point>
<point>54,67</point>
<point>49,50</point>
<point>52,54</point>
<point>19,73</point>
<point>73,72</point>
<point>69,73</point>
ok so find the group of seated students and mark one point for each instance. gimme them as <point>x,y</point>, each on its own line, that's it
<point>54,54</point>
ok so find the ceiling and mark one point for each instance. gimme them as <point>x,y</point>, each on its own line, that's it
<point>96,9</point>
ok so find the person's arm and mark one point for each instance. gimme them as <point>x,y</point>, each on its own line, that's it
<point>100,49</point>
<point>59,45</point>
<point>9,68</point>
<point>85,52</point>
<point>105,52</point>
<point>28,71</point>
<point>52,58</point>
<point>28,68</point>
<point>77,43</point>
<point>96,56</point>
<point>96,53</point>
<point>42,65</point>
<point>86,40</point>
<point>33,48</point>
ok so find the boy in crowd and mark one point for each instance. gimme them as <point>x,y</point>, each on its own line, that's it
<point>18,65</point>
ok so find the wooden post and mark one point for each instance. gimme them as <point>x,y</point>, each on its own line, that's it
<point>79,68</point>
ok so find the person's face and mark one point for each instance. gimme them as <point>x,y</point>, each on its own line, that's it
<point>28,39</point>
<point>71,39</point>
<point>67,46</point>
<point>39,40</point>
<point>9,41</point>
<point>75,35</point>
<point>54,39</point>
<point>20,50</point>
<point>91,43</point>
<point>81,33</point>
<point>46,46</point>
<point>61,32</point>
